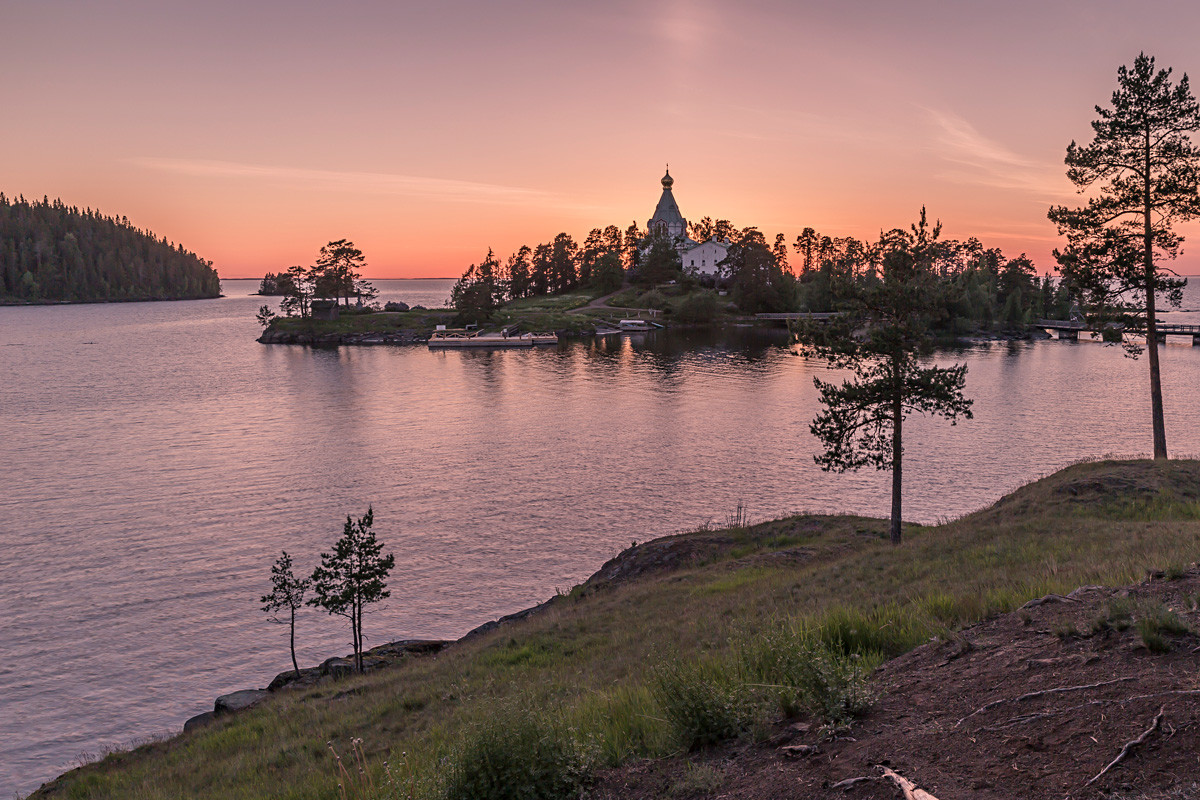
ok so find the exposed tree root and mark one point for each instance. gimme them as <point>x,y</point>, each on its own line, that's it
<point>1130,746</point>
<point>1021,720</point>
<point>1042,693</point>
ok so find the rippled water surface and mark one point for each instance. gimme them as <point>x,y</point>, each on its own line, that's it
<point>156,459</point>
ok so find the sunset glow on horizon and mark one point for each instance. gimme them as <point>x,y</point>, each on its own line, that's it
<point>427,133</point>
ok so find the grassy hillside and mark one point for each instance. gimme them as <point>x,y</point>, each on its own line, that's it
<point>634,662</point>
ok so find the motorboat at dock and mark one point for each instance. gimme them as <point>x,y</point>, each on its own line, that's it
<point>638,325</point>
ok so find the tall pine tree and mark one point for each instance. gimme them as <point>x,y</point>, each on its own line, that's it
<point>881,336</point>
<point>1145,170</point>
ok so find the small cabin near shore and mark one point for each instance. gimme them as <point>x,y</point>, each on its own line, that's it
<point>325,309</point>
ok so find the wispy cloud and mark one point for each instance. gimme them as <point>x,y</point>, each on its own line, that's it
<point>369,182</point>
<point>773,124</point>
<point>981,160</point>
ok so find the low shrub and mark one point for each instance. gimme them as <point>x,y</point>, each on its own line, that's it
<point>696,308</point>
<point>1156,623</point>
<point>882,632</point>
<point>705,702</point>
<point>517,755</point>
<point>698,780</point>
<point>653,299</point>
<point>809,676</point>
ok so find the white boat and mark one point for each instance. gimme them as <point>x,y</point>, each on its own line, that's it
<point>635,325</point>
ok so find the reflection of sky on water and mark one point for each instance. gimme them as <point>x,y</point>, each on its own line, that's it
<point>155,473</point>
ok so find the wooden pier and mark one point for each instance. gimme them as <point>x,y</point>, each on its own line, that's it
<point>461,338</point>
<point>819,316</point>
<point>1069,329</point>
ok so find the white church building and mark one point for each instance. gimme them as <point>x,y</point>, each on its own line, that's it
<point>699,258</point>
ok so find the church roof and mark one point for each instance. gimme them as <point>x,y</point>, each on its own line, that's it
<point>667,209</point>
<point>694,245</point>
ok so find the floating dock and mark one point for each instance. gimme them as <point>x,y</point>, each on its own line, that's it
<point>477,339</point>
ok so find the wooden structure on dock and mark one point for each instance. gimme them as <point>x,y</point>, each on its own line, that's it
<point>1069,329</point>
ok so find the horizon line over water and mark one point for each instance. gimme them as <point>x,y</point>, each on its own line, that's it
<point>365,277</point>
<point>161,458</point>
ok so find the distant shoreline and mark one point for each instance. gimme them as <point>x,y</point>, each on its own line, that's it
<point>101,301</point>
<point>367,279</point>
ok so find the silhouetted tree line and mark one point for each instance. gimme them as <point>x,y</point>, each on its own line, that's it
<point>983,288</point>
<point>336,275</point>
<point>51,251</point>
<point>557,266</point>
<point>274,284</point>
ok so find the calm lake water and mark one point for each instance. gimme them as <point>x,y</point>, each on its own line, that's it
<point>157,459</point>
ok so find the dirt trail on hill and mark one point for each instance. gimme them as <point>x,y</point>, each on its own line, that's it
<point>1032,705</point>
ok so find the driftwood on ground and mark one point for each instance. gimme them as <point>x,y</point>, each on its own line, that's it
<point>911,792</point>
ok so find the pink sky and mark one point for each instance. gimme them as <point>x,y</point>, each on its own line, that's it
<point>253,133</point>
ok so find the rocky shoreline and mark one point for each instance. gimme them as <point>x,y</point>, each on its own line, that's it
<point>327,339</point>
<point>338,667</point>
<point>404,337</point>
<point>653,556</point>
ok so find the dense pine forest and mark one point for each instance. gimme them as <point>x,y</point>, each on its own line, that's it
<point>984,290</point>
<point>51,252</point>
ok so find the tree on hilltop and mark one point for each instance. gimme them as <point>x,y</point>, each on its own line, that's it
<point>353,576</point>
<point>1145,169</point>
<point>883,332</point>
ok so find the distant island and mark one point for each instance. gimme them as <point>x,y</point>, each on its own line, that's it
<point>54,253</point>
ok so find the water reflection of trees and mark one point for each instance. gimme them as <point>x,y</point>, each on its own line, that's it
<point>670,353</point>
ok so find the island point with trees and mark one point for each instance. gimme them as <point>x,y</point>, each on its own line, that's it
<point>709,272</point>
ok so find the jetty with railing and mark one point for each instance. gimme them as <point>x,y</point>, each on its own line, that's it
<point>505,337</point>
<point>1069,329</point>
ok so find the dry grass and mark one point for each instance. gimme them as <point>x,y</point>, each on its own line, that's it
<point>585,664</point>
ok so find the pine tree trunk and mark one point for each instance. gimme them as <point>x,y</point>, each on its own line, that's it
<point>897,471</point>
<point>358,617</point>
<point>295,664</point>
<point>1156,401</point>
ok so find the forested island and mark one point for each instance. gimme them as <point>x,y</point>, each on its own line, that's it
<point>51,252</point>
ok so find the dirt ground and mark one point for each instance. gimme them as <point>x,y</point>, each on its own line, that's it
<point>1030,705</point>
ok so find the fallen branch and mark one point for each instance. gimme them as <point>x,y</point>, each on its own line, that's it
<point>1050,598</point>
<point>846,784</point>
<point>1129,746</point>
<point>1042,693</point>
<point>911,792</point>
